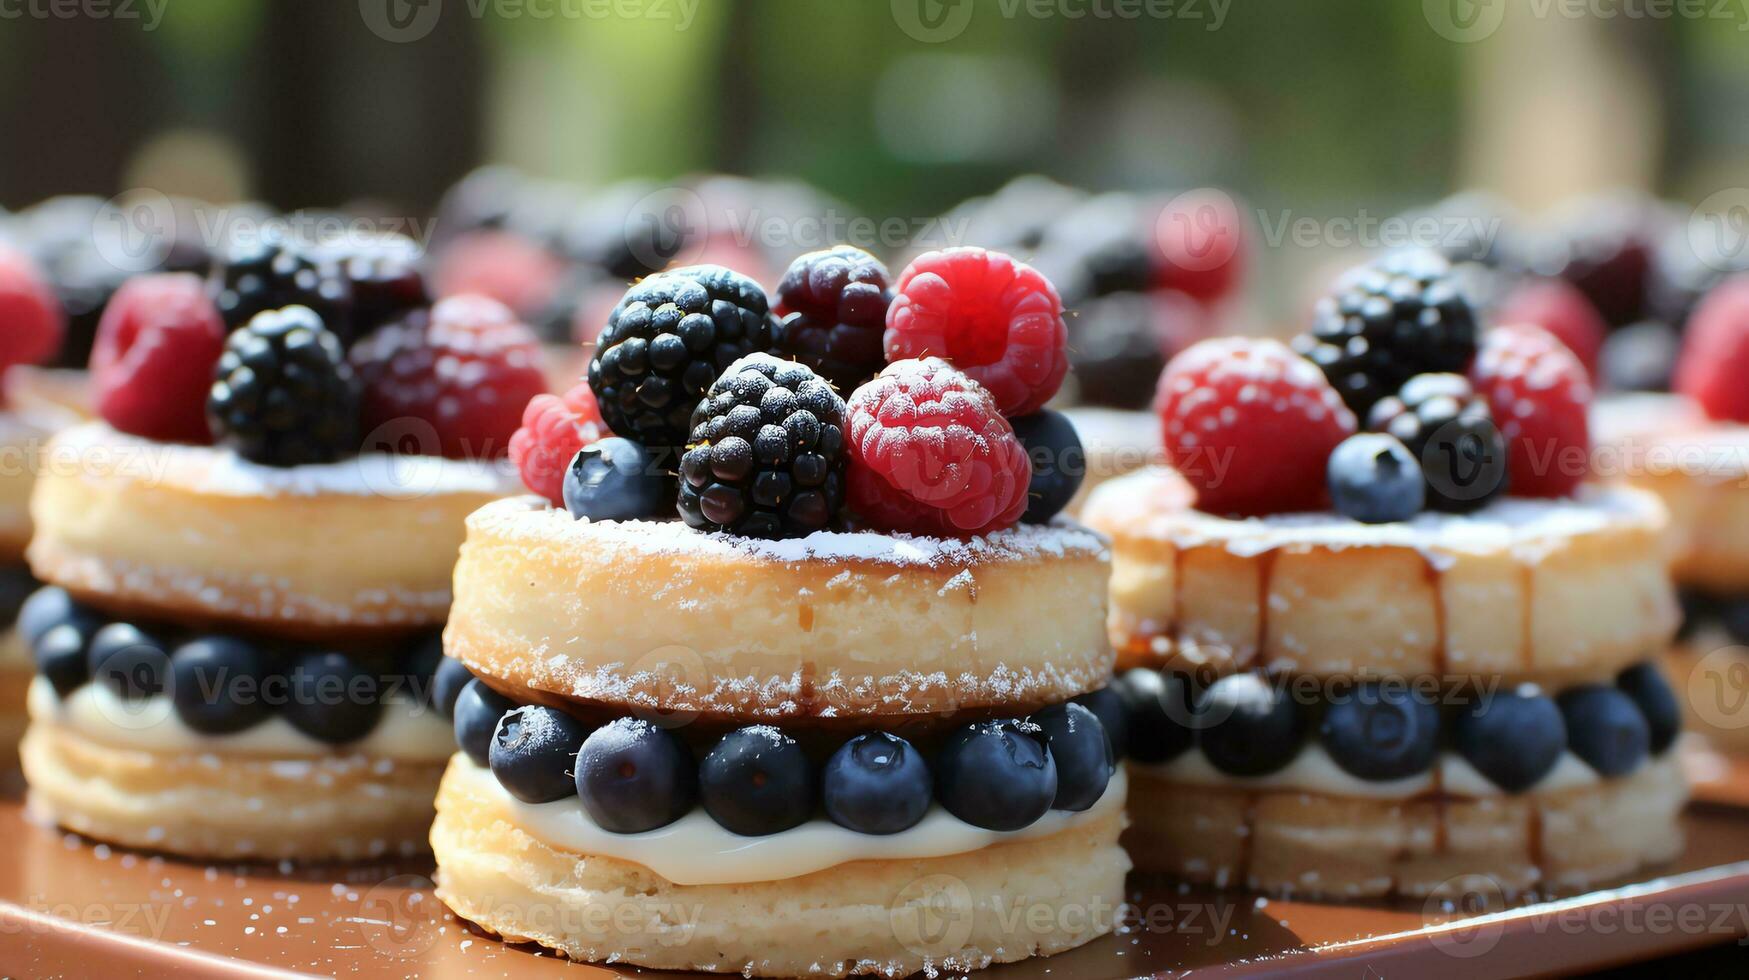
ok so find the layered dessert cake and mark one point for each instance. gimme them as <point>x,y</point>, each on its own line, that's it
<point>248,558</point>
<point>1410,657</point>
<point>830,698</point>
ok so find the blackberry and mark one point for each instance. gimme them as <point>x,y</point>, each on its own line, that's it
<point>666,343</point>
<point>1114,351</point>
<point>266,274</point>
<point>1389,320</point>
<point>632,230</point>
<point>283,394</point>
<point>835,305</point>
<point>767,455</point>
<point>383,275</point>
<point>1607,249</point>
<point>1447,426</point>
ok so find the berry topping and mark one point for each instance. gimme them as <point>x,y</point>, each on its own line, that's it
<point>60,656</point>
<point>634,777</point>
<point>283,394</point>
<point>1250,727</point>
<point>333,698</point>
<point>1715,355</point>
<point>1158,709</point>
<point>216,684</point>
<point>384,275</point>
<point>834,309</point>
<point>1116,349</point>
<point>1540,396</point>
<point>1605,728</point>
<point>1107,705</point>
<point>477,710</point>
<point>446,685</point>
<point>1376,480</point>
<point>1389,320</point>
<point>1560,308</point>
<point>129,661</point>
<point>554,428</point>
<point>532,753</point>
<point>876,784</point>
<point>1512,738</point>
<point>266,274</point>
<point>1250,425</point>
<point>757,781</point>
<point>997,775</point>
<point>1448,428</point>
<point>49,607</point>
<point>1381,732</point>
<point>931,453</point>
<point>996,319</point>
<point>767,453</point>
<point>1083,754</point>
<point>468,368</point>
<point>666,343</point>
<point>152,366</point>
<point>617,480</point>
<point>1199,245</point>
<point>1059,464</point>
<point>34,323</point>
<point>1645,684</point>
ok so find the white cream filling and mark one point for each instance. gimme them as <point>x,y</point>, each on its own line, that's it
<point>695,850</point>
<point>1314,771</point>
<point>406,732</point>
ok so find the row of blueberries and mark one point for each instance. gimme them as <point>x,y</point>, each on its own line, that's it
<point>634,776</point>
<point>220,684</point>
<point>1245,725</point>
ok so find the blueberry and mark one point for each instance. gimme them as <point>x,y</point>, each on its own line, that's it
<point>1083,755</point>
<point>1605,728</point>
<point>1059,464</point>
<point>477,710</point>
<point>1158,714</point>
<point>634,776</point>
<point>616,480</point>
<point>416,671</point>
<point>333,698</point>
<point>1108,705</point>
<point>997,775</point>
<point>1382,732</point>
<point>446,685</point>
<point>1250,728</point>
<point>216,684</point>
<point>757,781</point>
<point>50,607</point>
<point>129,661</point>
<point>1514,739</point>
<point>1640,357</point>
<point>60,657</point>
<point>1375,479</point>
<point>533,751</point>
<point>1645,684</point>
<point>876,784</point>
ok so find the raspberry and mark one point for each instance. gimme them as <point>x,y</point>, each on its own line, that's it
<point>1715,356</point>
<point>502,265</point>
<point>32,323</point>
<point>1251,425</point>
<point>554,428</point>
<point>931,453</point>
<point>467,367</point>
<point>1199,245</point>
<point>834,310</point>
<point>153,362</point>
<point>996,319</point>
<point>1560,308</point>
<point>1541,398</point>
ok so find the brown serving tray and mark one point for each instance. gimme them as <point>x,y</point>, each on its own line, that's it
<point>69,906</point>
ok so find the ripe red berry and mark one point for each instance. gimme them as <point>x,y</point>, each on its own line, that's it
<point>152,366</point>
<point>1715,354</point>
<point>996,319</point>
<point>1558,306</point>
<point>1540,397</point>
<point>1251,425</point>
<point>1199,245</point>
<point>505,266</point>
<point>32,322</point>
<point>931,454</point>
<point>468,368</point>
<point>554,428</point>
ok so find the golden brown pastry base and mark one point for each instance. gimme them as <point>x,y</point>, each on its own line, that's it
<point>1305,844</point>
<point>891,918</point>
